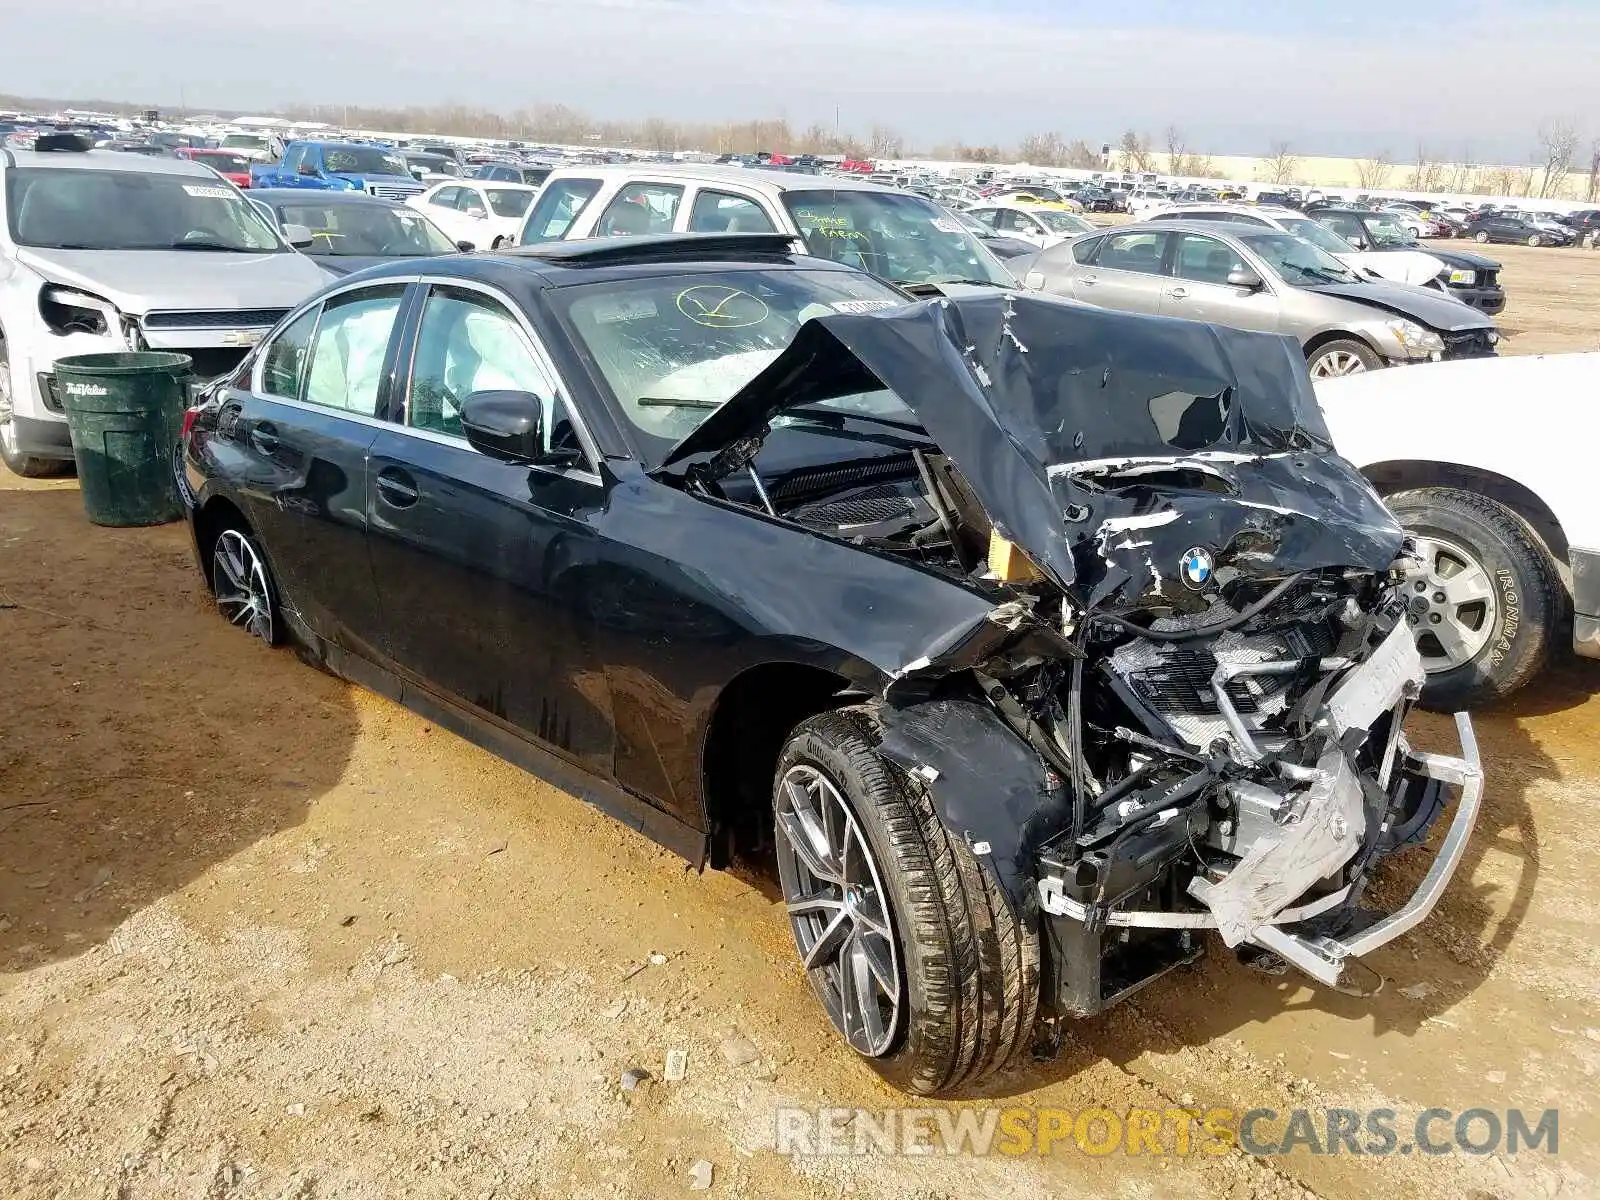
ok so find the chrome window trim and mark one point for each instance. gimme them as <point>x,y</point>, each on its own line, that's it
<point>322,298</point>
<point>541,359</point>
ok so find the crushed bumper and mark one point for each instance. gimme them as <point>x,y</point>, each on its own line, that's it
<point>1322,957</point>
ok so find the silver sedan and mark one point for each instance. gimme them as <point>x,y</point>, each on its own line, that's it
<point>1262,279</point>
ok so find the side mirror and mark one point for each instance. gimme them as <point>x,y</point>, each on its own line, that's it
<point>466,247</point>
<point>504,424</point>
<point>298,236</point>
<point>1244,277</point>
<point>416,173</point>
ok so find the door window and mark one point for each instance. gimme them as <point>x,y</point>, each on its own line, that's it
<point>723,212</point>
<point>469,343</point>
<point>989,216</point>
<point>1140,252</point>
<point>1347,227</point>
<point>293,159</point>
<point>640,208</point>
<point>471,203</point>
<point>558,207</point>
<point>446,197</point>
<point>351,343</point>
<point>283,365</point>
<point>1204,259</point>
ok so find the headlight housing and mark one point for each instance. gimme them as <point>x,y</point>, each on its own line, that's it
<point>1464,276</point>
<point>67,310</point>
<point>1414,337</point>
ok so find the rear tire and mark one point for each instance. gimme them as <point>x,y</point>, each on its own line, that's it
<point>1481,237</point>
<point>1535,240</point>
<point>1503,601</point>
<point>29,466</point>
<point>1344,356</point>
<point>966,965</point>
<point>241,581</point>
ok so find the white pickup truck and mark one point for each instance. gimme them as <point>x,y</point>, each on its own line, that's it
<point>1487,463</point>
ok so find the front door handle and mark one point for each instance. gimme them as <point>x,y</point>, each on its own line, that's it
<point>1089,280</point>
<point>397,488</point>
<point>264,437</point>
<point>1178,293</point>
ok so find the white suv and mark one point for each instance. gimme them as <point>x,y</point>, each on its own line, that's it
<point>904,238</point>
<point>106,251</point>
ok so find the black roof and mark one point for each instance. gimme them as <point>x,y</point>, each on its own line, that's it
<point>589,260</point>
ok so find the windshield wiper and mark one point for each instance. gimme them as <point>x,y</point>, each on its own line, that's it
<point>670,402</point>
<point>219,246</point>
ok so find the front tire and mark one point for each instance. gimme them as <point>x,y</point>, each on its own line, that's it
<point>1487,603</point>
<point>908,941</point>
<point>1345,356</point>
<point>27,465</point>
<point>243,585</point>
<point>1535,240</point>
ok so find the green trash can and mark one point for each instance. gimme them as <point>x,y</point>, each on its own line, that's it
<point>124,412</point>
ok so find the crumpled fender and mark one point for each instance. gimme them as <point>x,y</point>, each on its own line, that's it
<point>986,784</point>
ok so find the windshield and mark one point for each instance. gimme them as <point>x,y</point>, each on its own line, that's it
<point>244,141</point>
<point>363,160</point>
<point>237,163</point>
<point>356,230</point>
<point>507,202</point>
<point>1385,230</point>
<point>675,348</point>
<point>1063,222</point>
<point>905,239</point>
<point>1319,236</point>
<point>130,210</point>
<point>1296,261</point>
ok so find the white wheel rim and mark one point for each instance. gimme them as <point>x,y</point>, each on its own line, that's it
<point>1332,363</point>
<point>838,910</point>
<point>8,427</point>
<point>1452,604</point>
<point>239,578</point>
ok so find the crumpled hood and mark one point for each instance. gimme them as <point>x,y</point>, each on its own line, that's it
<point>1459,258</point>
<point>141,281</point>
<point>1431,308</point>
<point>1402,266</point>
<point>1105,444</point>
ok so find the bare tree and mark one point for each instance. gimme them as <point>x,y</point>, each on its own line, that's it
<point>1428,173</point>
<point>1558,140</point>
<point>1134,148</point>
<point>1280,164</point>
<point>1593,192</point>
<point>884,142</point>
<point>1464,175</point>
<point>1177,152</point>
<point>1081,156</point>
<point>1043,150</point>
<point>1372,173</point>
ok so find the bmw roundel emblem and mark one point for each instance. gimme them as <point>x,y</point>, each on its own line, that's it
<point>1197,567</point>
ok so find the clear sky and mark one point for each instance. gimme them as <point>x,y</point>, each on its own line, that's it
<point>1331,76</point>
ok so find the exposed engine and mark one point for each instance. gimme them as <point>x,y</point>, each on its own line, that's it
<point>1234,749</point>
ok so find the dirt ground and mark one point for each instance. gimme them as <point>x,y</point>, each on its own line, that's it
<point>263,934</point>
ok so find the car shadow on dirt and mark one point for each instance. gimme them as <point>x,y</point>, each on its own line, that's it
<point>144,740</point>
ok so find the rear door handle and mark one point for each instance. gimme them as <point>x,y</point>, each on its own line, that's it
<point>1089,280</point>
<point>264,437</point>
<point>397,488</point>
<point>1178,293</point>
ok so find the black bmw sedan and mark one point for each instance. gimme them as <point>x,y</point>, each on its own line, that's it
<point>1010,629</point>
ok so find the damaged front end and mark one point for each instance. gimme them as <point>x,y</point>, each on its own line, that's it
<point>1184,710</point>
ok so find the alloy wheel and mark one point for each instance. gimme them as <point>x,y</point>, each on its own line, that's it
<point>1453,608</point>
<point>1333,363</point>
<point>838,910</point>
<point>239,578</point>
<point>8,428</point>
